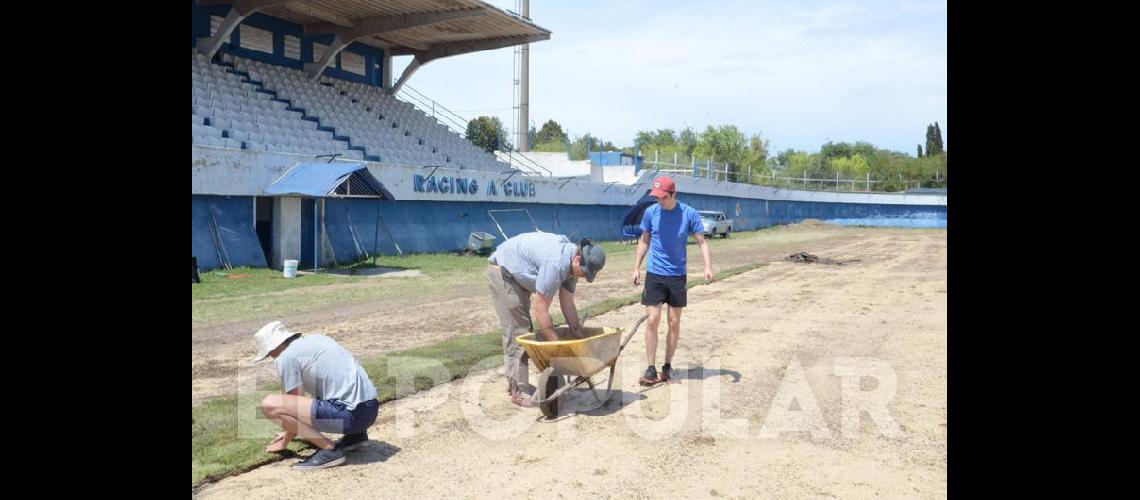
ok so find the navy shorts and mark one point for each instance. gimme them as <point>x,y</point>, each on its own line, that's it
<point>670,289</point>
<point>334,416</point>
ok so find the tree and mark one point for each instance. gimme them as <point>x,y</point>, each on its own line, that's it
<point>486,132</point>
<point>796,163</point>
<point>782,157</point>
<point>548,147</point>
<point>836,150</point>
<point>864,149</point>
<point>659,139</point>
<point>920,151</point>
<point>551,131</point>
<point>643,140</point>
<point>933,140</point>
<point>758,148</point>
<point>687,140</point>
<point>938,139</point>
<point>757,158</point>
<point>850,167</point>
<point>725,144</point>
<point>579,147</point>
<point>665,137</point>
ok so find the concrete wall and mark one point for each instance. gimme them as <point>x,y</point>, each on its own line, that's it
<point>286,230</point>
<point>622,174</point>
<point>559,164</point>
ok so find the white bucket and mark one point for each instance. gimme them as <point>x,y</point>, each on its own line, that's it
<point>290,269</point>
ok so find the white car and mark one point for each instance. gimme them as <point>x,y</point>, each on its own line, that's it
<point>715,223</point>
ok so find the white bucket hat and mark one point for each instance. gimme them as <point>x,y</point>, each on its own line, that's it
<point>269,337</point>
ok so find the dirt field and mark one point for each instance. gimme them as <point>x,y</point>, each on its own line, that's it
<point>750,346</point>
<point>378,327</point>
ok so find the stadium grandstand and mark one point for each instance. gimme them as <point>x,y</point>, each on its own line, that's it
<point>314,77</point>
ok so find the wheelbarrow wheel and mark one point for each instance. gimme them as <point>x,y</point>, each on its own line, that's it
<point>549,384</point>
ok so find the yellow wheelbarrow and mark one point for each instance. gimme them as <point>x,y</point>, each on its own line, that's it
<point>566,364</point>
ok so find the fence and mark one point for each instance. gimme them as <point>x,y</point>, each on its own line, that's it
<point>683,165</point>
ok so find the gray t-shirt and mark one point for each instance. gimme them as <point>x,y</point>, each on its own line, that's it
<point>538,261</point>
<point>323,368</point>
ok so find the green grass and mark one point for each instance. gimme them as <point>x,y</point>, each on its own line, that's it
<point>436,264</point>
<point>218,299</point>
<point>392,373</point>
<point>267,293</point>
<point>215,284</point>
<point>219,451</point>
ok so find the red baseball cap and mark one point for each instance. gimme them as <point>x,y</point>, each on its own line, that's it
<point>663,186</point>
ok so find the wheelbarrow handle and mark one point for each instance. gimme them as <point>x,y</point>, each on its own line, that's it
<point>633,331</point>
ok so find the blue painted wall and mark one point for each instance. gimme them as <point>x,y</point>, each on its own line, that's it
<point>756,214</point>
<point>440,226</point>
<point>437,226</point>
<point>609,158</point>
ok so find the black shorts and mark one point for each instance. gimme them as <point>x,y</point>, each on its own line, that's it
<point>670,289</point>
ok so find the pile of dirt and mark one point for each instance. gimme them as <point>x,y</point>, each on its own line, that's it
<point>812,223</point>
<point>807,258</point>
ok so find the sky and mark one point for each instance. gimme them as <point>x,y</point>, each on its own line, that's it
<point>799,73</point>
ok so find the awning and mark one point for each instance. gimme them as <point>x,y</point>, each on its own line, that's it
<point>331,180</point>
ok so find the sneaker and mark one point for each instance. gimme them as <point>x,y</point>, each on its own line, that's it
<point>650,377</point>
<point>351,441</point>
<point>321,459</point>
<point>666,374</point>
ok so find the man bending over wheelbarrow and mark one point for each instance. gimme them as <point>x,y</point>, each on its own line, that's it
<point>543,264</point>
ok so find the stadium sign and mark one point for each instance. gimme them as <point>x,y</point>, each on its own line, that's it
<point>470,186</point>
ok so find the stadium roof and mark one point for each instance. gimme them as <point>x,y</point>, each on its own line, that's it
<point>425,29</point>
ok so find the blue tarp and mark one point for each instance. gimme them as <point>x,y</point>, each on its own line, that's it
<point>631,224</point>
<point>322,179</point>
<point>440,226</point>
<point>354,231</point>
<point>633,217</point>
<point>226,236</point>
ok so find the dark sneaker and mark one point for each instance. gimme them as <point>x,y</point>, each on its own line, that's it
<point>666,374</point>
<point>321,459</point>
<point>351,441</point>
<point>650,377</point>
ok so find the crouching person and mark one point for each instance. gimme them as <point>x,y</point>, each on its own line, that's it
<point>344,399</point>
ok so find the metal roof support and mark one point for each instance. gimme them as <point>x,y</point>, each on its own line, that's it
<point>437,51</point>
<point>241,9</point>
<point>376,25</point>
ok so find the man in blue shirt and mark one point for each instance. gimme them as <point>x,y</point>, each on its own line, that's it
<point>665,230</point>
